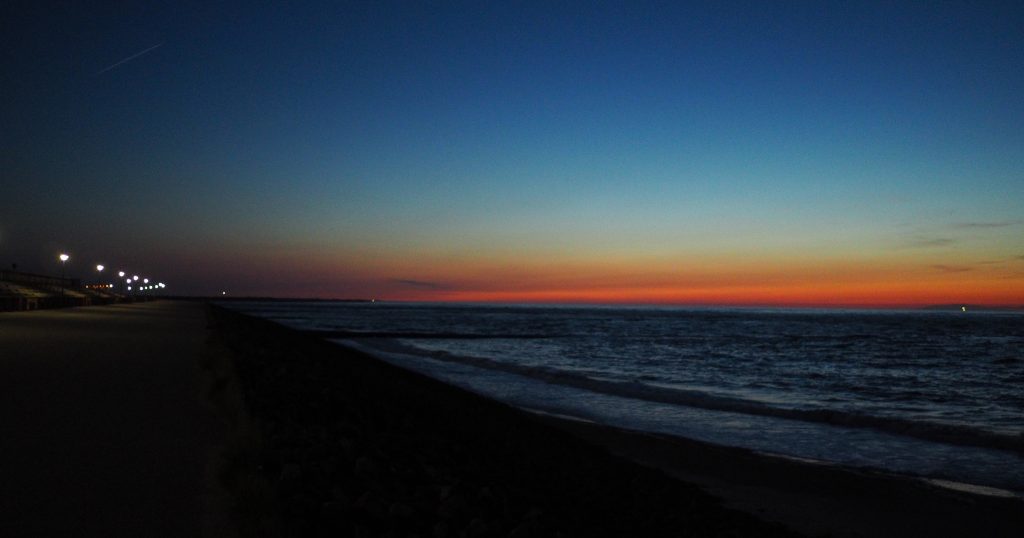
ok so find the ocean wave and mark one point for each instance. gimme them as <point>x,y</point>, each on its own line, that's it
<point>955,434</point>
<point>420,335</point>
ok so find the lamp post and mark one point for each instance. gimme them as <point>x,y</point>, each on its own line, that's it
<point>63,260</point>
<point>99,276</point>
<point>120,276</point>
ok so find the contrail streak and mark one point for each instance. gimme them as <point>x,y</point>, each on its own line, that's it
<point>128,59</point>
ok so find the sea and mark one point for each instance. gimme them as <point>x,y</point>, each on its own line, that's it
<point>937,395</point>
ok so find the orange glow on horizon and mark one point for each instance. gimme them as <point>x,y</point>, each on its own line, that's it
<point>828,290</point>
<point>845,296</point>
<point>795,279</point>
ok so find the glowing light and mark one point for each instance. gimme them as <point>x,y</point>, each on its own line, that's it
<point>64,257</point>
<point>136,277</point>
<point>99,267</point>
<point>145,281</point>
<point>120,274</point>
<point>129,288</point>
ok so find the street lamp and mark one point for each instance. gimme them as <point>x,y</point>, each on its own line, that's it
<point>63,260</point>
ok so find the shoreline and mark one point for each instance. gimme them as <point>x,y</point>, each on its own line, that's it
<point>943,507</point>
<point>814,498</point>
<point>810,498</point>
<point>566,422</point>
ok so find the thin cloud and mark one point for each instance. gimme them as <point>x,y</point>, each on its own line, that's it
<point>1003,260</point>
<point>420,284</point>
<point>951,268</point>
<point>929,242</point>
<point>992,224</point>
<point>128,59</point>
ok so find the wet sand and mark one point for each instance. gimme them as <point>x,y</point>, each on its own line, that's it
<point>104,430</point>
<point>814,499</point>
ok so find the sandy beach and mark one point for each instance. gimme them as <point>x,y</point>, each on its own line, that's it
<point>351,444</point>
<point>111,426</point>
<point>103,426</point>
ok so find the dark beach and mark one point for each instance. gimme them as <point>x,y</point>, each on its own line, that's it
<point>335,442</point>
<point>114,424</point>
<point>104,426</point>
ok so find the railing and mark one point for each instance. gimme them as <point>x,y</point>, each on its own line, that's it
<point>38,280</point>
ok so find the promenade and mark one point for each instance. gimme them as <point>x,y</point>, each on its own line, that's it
<point>103,428</point>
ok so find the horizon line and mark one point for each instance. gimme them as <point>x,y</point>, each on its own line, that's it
<point>781,306</point>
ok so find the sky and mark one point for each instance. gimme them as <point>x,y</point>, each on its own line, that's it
<point>718,153</point>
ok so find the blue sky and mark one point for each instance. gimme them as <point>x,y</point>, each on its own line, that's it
<point>432,135</point>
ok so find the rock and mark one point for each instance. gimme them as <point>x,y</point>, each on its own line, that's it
<point>527,529</point>
<point>452,507</point>
<point>476,529</point>
<point>485,494</point>
<point>444,492</point>
<point>372,505</point>
<point>290,472</point>
<point>402,511</point>
<point>341,495</point>
<point>366,468</point>
<point>334,512</point>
